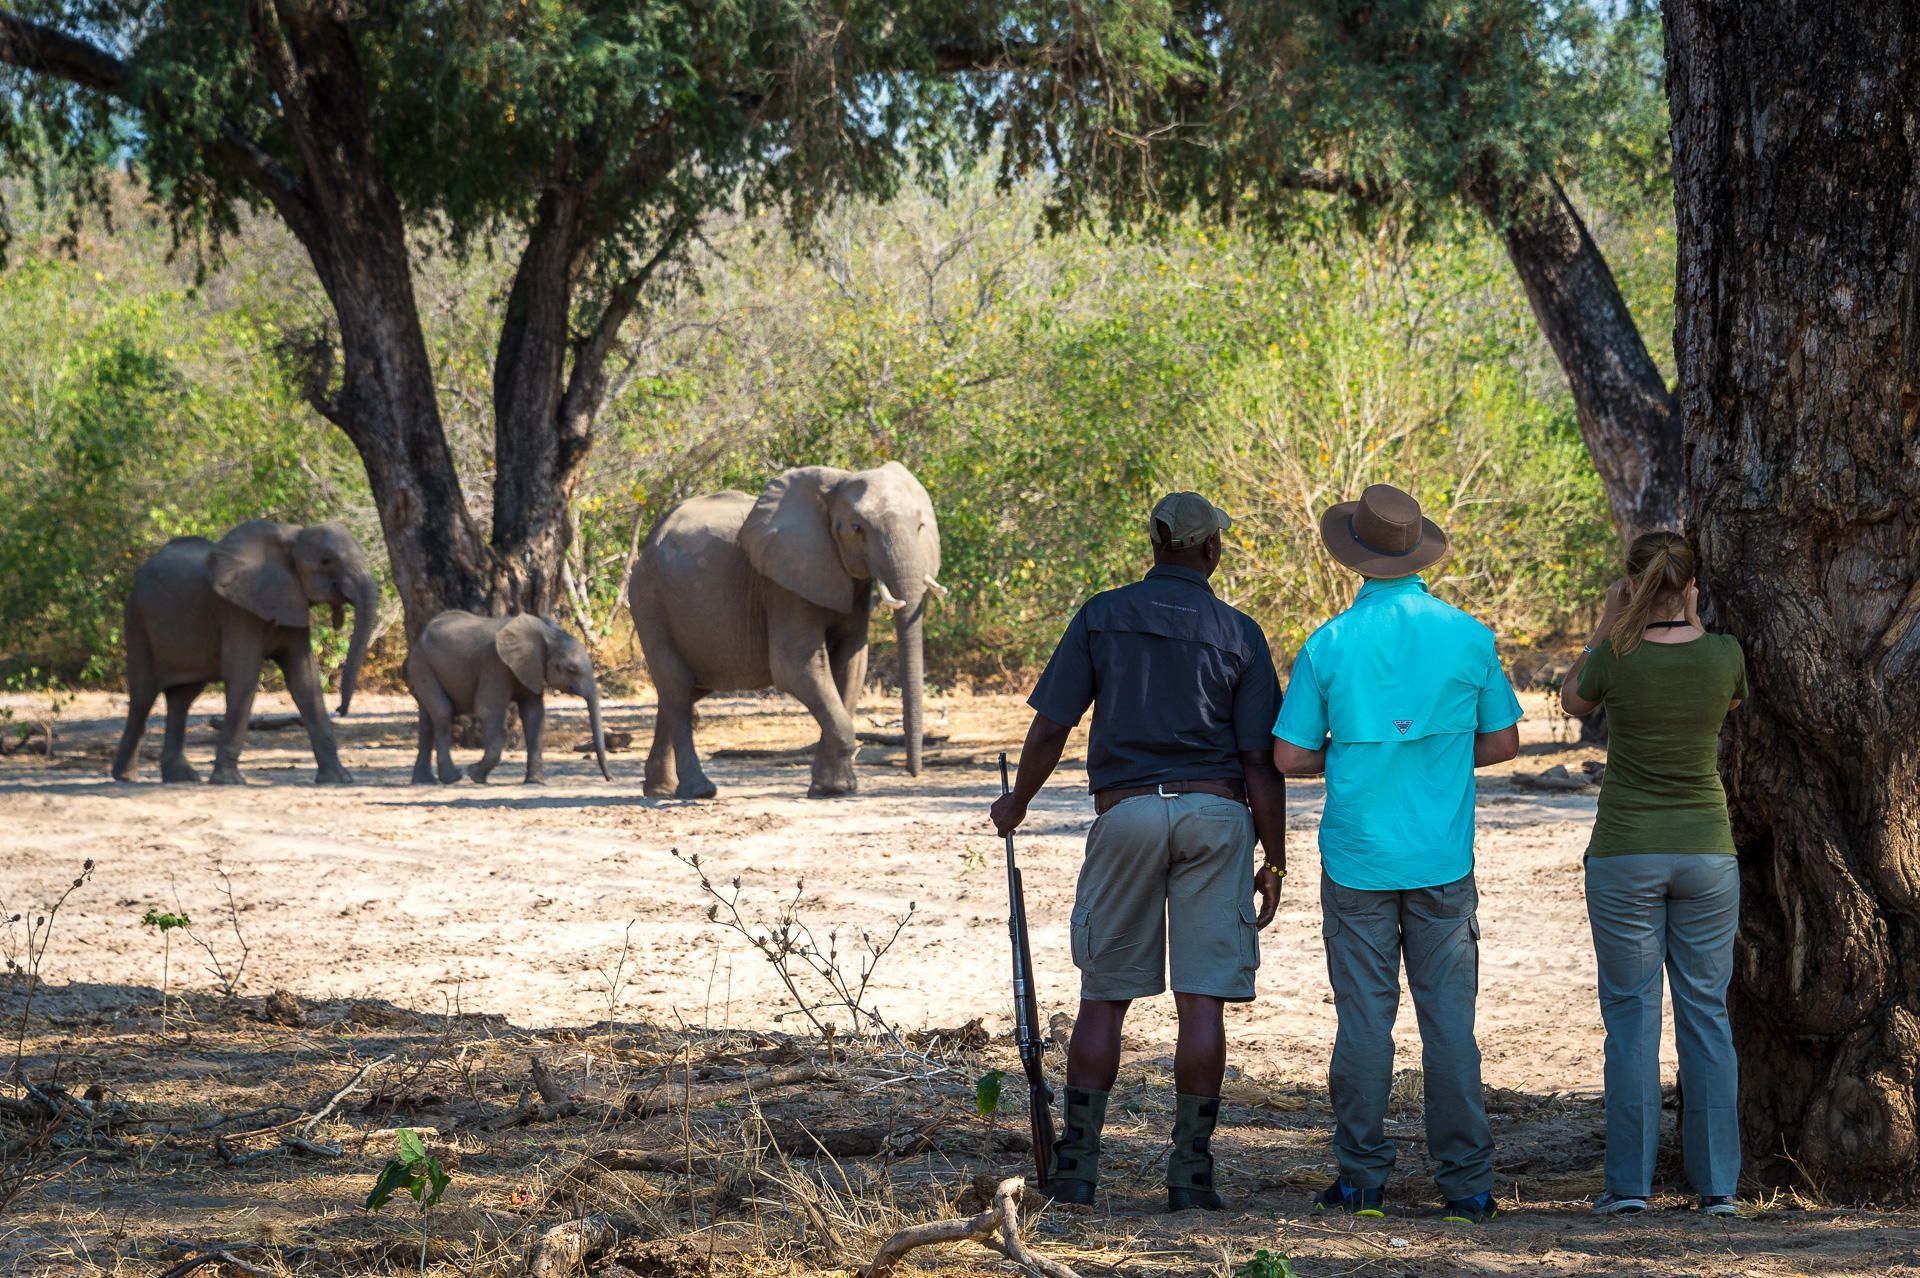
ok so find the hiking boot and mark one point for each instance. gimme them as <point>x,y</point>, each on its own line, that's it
<point>1611,1204</point>
<point>1074,1170</point>
<point>1340,1196</point>
<point>1719,1205</point>
<point>1477,1210</point>
<point>1190,1165</point>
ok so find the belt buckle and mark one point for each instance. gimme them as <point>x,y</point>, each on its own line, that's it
<point>1161,790</point>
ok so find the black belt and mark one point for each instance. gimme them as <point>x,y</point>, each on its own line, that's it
<point>1106,799</point>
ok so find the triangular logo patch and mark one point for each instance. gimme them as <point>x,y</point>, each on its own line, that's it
<point>1403,725</point>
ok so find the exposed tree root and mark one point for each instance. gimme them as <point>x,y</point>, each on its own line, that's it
<point>1002,1219</point>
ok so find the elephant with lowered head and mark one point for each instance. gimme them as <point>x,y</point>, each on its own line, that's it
<point>733,592</point>
<point>202,610</point>
<point>464,663</point>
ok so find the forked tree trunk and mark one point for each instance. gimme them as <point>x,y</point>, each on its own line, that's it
<point>1797,167</point>
<point>1628,417</point>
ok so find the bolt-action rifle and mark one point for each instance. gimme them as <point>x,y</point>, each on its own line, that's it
<point>1026,1013</point>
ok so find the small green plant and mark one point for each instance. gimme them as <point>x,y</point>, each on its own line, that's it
<point>165,923</point>
<point>986,1092</point>
<point>416,1172</point>
<point>1266,1264</point>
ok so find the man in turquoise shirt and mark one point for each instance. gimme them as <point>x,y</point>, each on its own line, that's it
<point>1397,700</point>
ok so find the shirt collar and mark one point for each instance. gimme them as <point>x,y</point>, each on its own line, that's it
<point>1176,573</point>
<point>1377,586</point>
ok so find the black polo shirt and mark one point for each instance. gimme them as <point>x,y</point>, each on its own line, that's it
<point>1179,683</point>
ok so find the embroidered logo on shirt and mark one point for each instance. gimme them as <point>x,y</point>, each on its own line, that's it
<point>1403,725</point>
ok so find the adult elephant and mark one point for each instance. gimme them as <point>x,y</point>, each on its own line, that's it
<point>732,592</point>
<point>202,610</point>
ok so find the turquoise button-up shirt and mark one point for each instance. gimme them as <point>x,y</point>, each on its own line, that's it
<point>1395,689</point>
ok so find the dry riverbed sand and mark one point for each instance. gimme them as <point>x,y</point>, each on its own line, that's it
<point>564,905</point>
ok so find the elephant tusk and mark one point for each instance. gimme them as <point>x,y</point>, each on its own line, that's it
<point>886,596</point>
<point>939,591</point>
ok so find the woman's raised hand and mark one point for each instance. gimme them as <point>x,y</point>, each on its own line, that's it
<point>1617,596</point>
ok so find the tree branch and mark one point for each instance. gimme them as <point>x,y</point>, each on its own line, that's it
<point>42,50</point>
<point>34,47</point>
<point>587,381</point>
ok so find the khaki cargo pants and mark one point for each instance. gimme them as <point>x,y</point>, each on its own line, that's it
<point>1168,879</point>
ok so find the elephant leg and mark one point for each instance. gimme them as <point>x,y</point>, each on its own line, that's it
<point>673,766</point>
<point>173,746</point>
<point>533,718</point>
<point>143,686</point>
<point>240,671</point>
<point>303,685</point>
<point>490,708</point>
<point>805,672</point>
<point>423,758</point>
<point>850,674</point>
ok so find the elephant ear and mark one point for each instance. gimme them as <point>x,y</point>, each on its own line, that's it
<point>788,537</point>
<point>252,566</point>
<point>522,644</point>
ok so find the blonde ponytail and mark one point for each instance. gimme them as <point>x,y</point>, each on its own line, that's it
<point>1659,566</point>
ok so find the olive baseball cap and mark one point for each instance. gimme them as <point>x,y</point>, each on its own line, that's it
<point>1190,519</point>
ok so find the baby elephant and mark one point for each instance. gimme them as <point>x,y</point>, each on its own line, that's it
<point>467,664</point>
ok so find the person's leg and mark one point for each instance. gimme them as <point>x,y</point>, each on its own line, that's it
<point>1703,909</point>
<point>1627,908</point>
<point>1093,1059</point>
<point>1362,932</point>
<point>1093,1053</point>
<point>1213,951</point>
<point>1441,933</point>
<point>1119,944</point>
<point>1200,1056</point>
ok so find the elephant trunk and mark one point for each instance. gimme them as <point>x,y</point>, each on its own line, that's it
<point>592,695</point>
<point>912,674</point>
<point>365,598</point>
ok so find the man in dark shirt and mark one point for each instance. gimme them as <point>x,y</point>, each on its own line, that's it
<point>1180,763</point>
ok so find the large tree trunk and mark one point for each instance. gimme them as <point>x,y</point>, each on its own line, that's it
<point>1628,417</point>
<point>1796,140</point>
<point>350,221</point>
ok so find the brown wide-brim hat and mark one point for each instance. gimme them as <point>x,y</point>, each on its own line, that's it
<point>1383,534</point>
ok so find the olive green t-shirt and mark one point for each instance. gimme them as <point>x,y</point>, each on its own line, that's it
<point>1665,703</point>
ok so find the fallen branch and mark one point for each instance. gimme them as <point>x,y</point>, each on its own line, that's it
<point>192,1263</point>
<point>565,1249</point>
<point>645,1105</point>
<point>302,1141</point>
<point>1002,1219</point>
<point>554,1103</point>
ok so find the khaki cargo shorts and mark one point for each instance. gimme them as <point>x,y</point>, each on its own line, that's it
<point>1168,878</point>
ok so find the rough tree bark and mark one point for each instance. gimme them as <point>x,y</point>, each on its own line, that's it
<point>1628,417</point>
<point>1796,134</point>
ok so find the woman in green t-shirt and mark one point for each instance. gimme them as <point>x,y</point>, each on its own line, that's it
<point>1663,890</point>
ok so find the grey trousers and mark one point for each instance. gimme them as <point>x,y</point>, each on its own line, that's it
<point>1438,931</point>
<point>1676,910</point>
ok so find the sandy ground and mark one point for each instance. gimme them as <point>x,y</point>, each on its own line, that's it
<point>512,906</point>
<point>515,900</point>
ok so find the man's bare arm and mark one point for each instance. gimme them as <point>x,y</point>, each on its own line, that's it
<point>1496,747</point>
<point>1046,740</point>
<point>1267,796</point>
<point>1292,761</point>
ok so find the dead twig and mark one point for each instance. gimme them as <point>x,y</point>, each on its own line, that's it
<point>997,1229</point>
